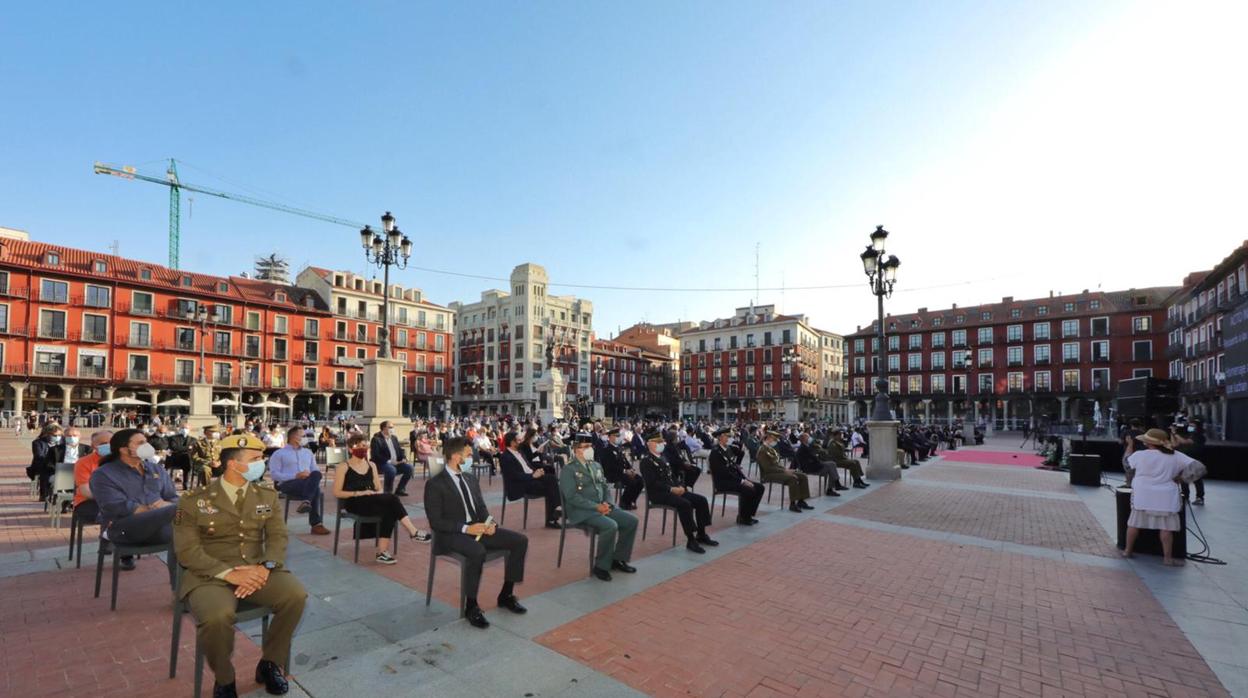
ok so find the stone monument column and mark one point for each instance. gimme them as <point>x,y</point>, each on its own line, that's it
<point>383,396</point>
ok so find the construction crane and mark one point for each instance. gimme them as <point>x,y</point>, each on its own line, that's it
<point>176,186</point>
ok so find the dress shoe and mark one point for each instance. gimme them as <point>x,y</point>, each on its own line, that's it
<point>623,567</point>
<point>840,487</point>
<point>706,540</point>
<point>693,547</point>
<point>553,524</point>
<point>511,603</point>
<point>831,493</point>
<point>746,521</point>
<point>860,485</point>
<point>226,691</point>
<point>320,530</point>
<point>476,618</point>
<point>803,504</point>
<point>304,508</point>
<point>127,563</point>
<point>602,574</point>
<point>271,676</point>
<point>400,493</point>
<point>795,508</point>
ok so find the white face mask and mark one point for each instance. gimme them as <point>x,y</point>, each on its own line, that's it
<point>145,452</point>
<point>658,449</point>
<point>587,455</point>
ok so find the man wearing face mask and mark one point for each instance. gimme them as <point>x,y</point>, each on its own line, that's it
<point>771,470</point>
<point>726,473</point>
<point>587,499</point>
<point>179,459</point>
<point>387,453</point>
<point>135,495</point>
<point>206,452</point>
<point>665,485</point>
<point>230,539</point>
<point>619,470</point>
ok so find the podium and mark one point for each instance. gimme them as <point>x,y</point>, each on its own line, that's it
<point>1148,542</point>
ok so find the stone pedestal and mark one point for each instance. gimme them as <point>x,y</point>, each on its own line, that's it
<point>383,396</point>
<point>550,395</point>
<point>201,408</point>
<point>882,460</point>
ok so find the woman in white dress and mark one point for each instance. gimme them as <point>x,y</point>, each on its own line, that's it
<point>1155,499</point>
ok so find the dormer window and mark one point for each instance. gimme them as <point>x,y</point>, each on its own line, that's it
<point>223,287</point>
<point>279,297</point>
<point>338,280</point>
<point>53,259</point>
<point>186,280</point>
<point>99,266</point>
<point>145,274</point>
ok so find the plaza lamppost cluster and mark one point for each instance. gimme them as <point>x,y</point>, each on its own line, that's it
<point>792,361</point>
<point>389,248</point>
<point>881,273</point>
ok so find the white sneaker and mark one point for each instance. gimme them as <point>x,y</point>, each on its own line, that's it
<point>386,559</point>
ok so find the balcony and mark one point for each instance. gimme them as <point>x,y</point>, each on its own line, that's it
<point>184,378</point>
<point>46,332</point>
<point>252,381</point>
<point>348,361</point>
<point>14,291</point>
<point>223,380</point>
<point>89,337</point>
<point>221,350</point>
<point>1100,358</point>
<point>134,376</point>
<point>958,344</point>
<point>1174,322</point>
<point>985,364</point>
<point>278,382</point>
<point>1174,351</point>
<point>92,372</point>
<point>1070,388</point>
<point>1202,347</point>
<point>307,359</point>
<point>279,356</point>
<point>49,369</point>
<point>13,330</point>
<point>1070,359</point>
<point>135,341</point>
<point>141,310</point>
<point>1014,363</point>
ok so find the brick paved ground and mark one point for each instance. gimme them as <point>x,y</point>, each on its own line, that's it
<point>838,611</point>
<point>23,523</point>
<point>994,476</point>
<point>1049,523</point>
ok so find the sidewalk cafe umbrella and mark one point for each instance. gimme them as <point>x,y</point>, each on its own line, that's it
<point>175,402</point>
<point>125,402</point>
<point>270,404</point>
<point>225,402</point>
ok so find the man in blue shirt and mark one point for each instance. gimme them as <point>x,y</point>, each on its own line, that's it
<point>135,495</point>
<point>294,473</point>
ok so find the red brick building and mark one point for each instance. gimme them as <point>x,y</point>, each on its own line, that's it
<point>80,327</point>
<point>630,380</point>
<point>1056,357</point>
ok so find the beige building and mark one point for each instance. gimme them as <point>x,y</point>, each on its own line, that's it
<point>833,404</point>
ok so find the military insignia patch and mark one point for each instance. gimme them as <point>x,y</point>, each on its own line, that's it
<point>179,516</point>
<point>263,509</point>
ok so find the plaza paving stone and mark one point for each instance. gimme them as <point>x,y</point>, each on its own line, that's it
<point>965,578</point>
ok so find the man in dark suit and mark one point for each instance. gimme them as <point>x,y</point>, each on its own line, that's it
<point>677,455</point>
<point>726,473</point>
<point>810,461</point>
<point>387,452</point>
<point>618,470</point>
<point>462,524</point>
<point>522,478</point>
<point>665,485</point>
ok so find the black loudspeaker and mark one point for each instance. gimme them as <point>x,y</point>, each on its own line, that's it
<point>1085,469</point>
<point>1148,542</point>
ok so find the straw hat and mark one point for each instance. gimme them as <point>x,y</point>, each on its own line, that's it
<point>1155,437</point>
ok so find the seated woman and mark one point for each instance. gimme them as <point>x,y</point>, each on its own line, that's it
<point>357,485</point>
<point>423,449</point>
<point>1155,499</point>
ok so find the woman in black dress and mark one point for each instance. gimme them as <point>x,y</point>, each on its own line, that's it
<point>358,489</point>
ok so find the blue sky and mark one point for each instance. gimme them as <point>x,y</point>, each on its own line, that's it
<point>1011,148</point>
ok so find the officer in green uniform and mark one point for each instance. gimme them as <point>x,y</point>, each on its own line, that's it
<point>206,452</point>
<point>772,470</point>
<point>230,538</point>
<point>587,501</point>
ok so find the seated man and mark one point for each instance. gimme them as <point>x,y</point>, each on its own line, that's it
<point>231,543</point>
<point>618,470</point>
<point>135,495</point>
<point>294,472</point>
<point>664,485</point>
<point>462,524</point>
<point>179,459</point>
<point>810,461</point>
<point>387,454</point>
<point>835,452</point>
<point>524,479</point>
<point>206,451</point>
<point>771,470</point>
<point>587,501</point>
<point>85,505</point>
<point>678,456</point>
<point>726,473</point>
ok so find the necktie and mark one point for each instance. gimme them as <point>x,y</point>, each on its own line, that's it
<point>238,499</point>
<point>463,489</point>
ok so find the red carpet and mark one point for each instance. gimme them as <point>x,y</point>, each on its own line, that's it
<point>1021,458</point>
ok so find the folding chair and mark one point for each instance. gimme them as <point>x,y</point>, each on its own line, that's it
<point>645,525</point>
<point>356,520</point>
<point>589,531</point>
<point>460,560</point>
<point>502,517</point>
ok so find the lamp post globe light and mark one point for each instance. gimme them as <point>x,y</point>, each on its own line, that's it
<point>389,248</point>
<point>881,271</point>
<point>792,358</point>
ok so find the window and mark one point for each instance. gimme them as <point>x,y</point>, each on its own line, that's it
<point>138,367</point>
<point>987,383</point>
<point>140,334</point>
<point>1100,379</point>
<point>279,349</point>
<point>141,303</point>
<point>1070,352</point>
<point>959,338</point>
<point>1015,313</point>
<point>1014,356</point>
<point>50,362</point>
<point>1142,373</point>
<point>1068,308</point>
<point>938,340</point>
<point>894,362</point>
<point>52,324</point>
<point>185,308</point>
<point>1142,350</point>
<point>361,332</point>
<point>1040,331</point>
<point>145,274</point>
<point>1094,305</point>
<point>938,361</point>
<point>223,314</point>
<point>311,352</point>
<point>186,280</point>
<point>311,328</point>
<point>938,384</point>
<point>916,341</point>
<point>97,297</point>
<point>894,342</point>
<point>54,291</point>
<point>439,342</point>
<point>420,339</point>
<point>959,359</point>
<point>221,342</point>
<point>1070,379</point>
<point>1141,324</point>
<point>54,259</point>
<point>859,346</point>
<point>1043,381</point>
<point>251,346</point>
<point>90,364</point>
<point>253,321</point>
<point>94,328</point>
<point>1014,382</point>
<point>985,357</point>
<point>915,362</point>
<point>1041,354</point>
<point>1014,333</point>
<point>1100,350</point>
<point>184,338</point>
<point>914,384</point>
<point>985,335</point>
<point>1100,327</point>
<point>1042,310</point>
<point>183,371</point>
<point>1070,328</point>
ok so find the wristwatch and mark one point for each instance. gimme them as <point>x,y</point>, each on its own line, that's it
<point>270,565</point>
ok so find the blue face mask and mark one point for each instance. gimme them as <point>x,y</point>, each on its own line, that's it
<point>467,464</point>
<point>255,470</point>
<point>103,450</point>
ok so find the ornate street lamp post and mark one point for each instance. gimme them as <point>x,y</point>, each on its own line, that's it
<point>881,274</point>
<point>390,248</point>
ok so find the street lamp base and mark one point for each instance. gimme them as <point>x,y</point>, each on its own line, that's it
<point>882,459</point>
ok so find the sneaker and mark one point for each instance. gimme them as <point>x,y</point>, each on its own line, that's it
<point>384,558</point>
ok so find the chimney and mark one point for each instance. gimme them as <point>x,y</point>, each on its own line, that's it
<point>1050,294</point>
<point>955,306</point>
<point>1085,291</point>
<point>922,310</point>
<point>1008,299</point>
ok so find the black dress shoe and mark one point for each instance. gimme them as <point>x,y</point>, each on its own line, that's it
<point>511,603</point>
<point>803,504</point>
<point>706,540</point>
<point>127,562</point>
<point>841,487</point>
<point>693,547</point>
<point>623,567</point>
<point>831,493</point>
<point>271,676</point>
<point>795,509</point>
<point>602,574</point>
<point>476,618</point>
<point>400,493</point>
<point>226,691</point>
<point>860,485</point>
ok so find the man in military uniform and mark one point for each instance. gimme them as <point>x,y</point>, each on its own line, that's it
<point>230,538</point>
<point>771,470</point>
<point>619,471</point>
<point>835,452</point>
<point>727,476</point>
<point>206,452</point>
<point>587,501</point>
<point>665,486</point>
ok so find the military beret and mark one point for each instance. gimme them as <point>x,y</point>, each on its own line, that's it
<point>654,436</point>
<point>720,432</point>
<point>583,438</point>
<point>242,441</point>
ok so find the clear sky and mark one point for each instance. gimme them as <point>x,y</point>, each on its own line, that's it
<point>1011,148</point>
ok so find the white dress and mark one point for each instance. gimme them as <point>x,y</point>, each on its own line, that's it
<point>1155,498</point>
